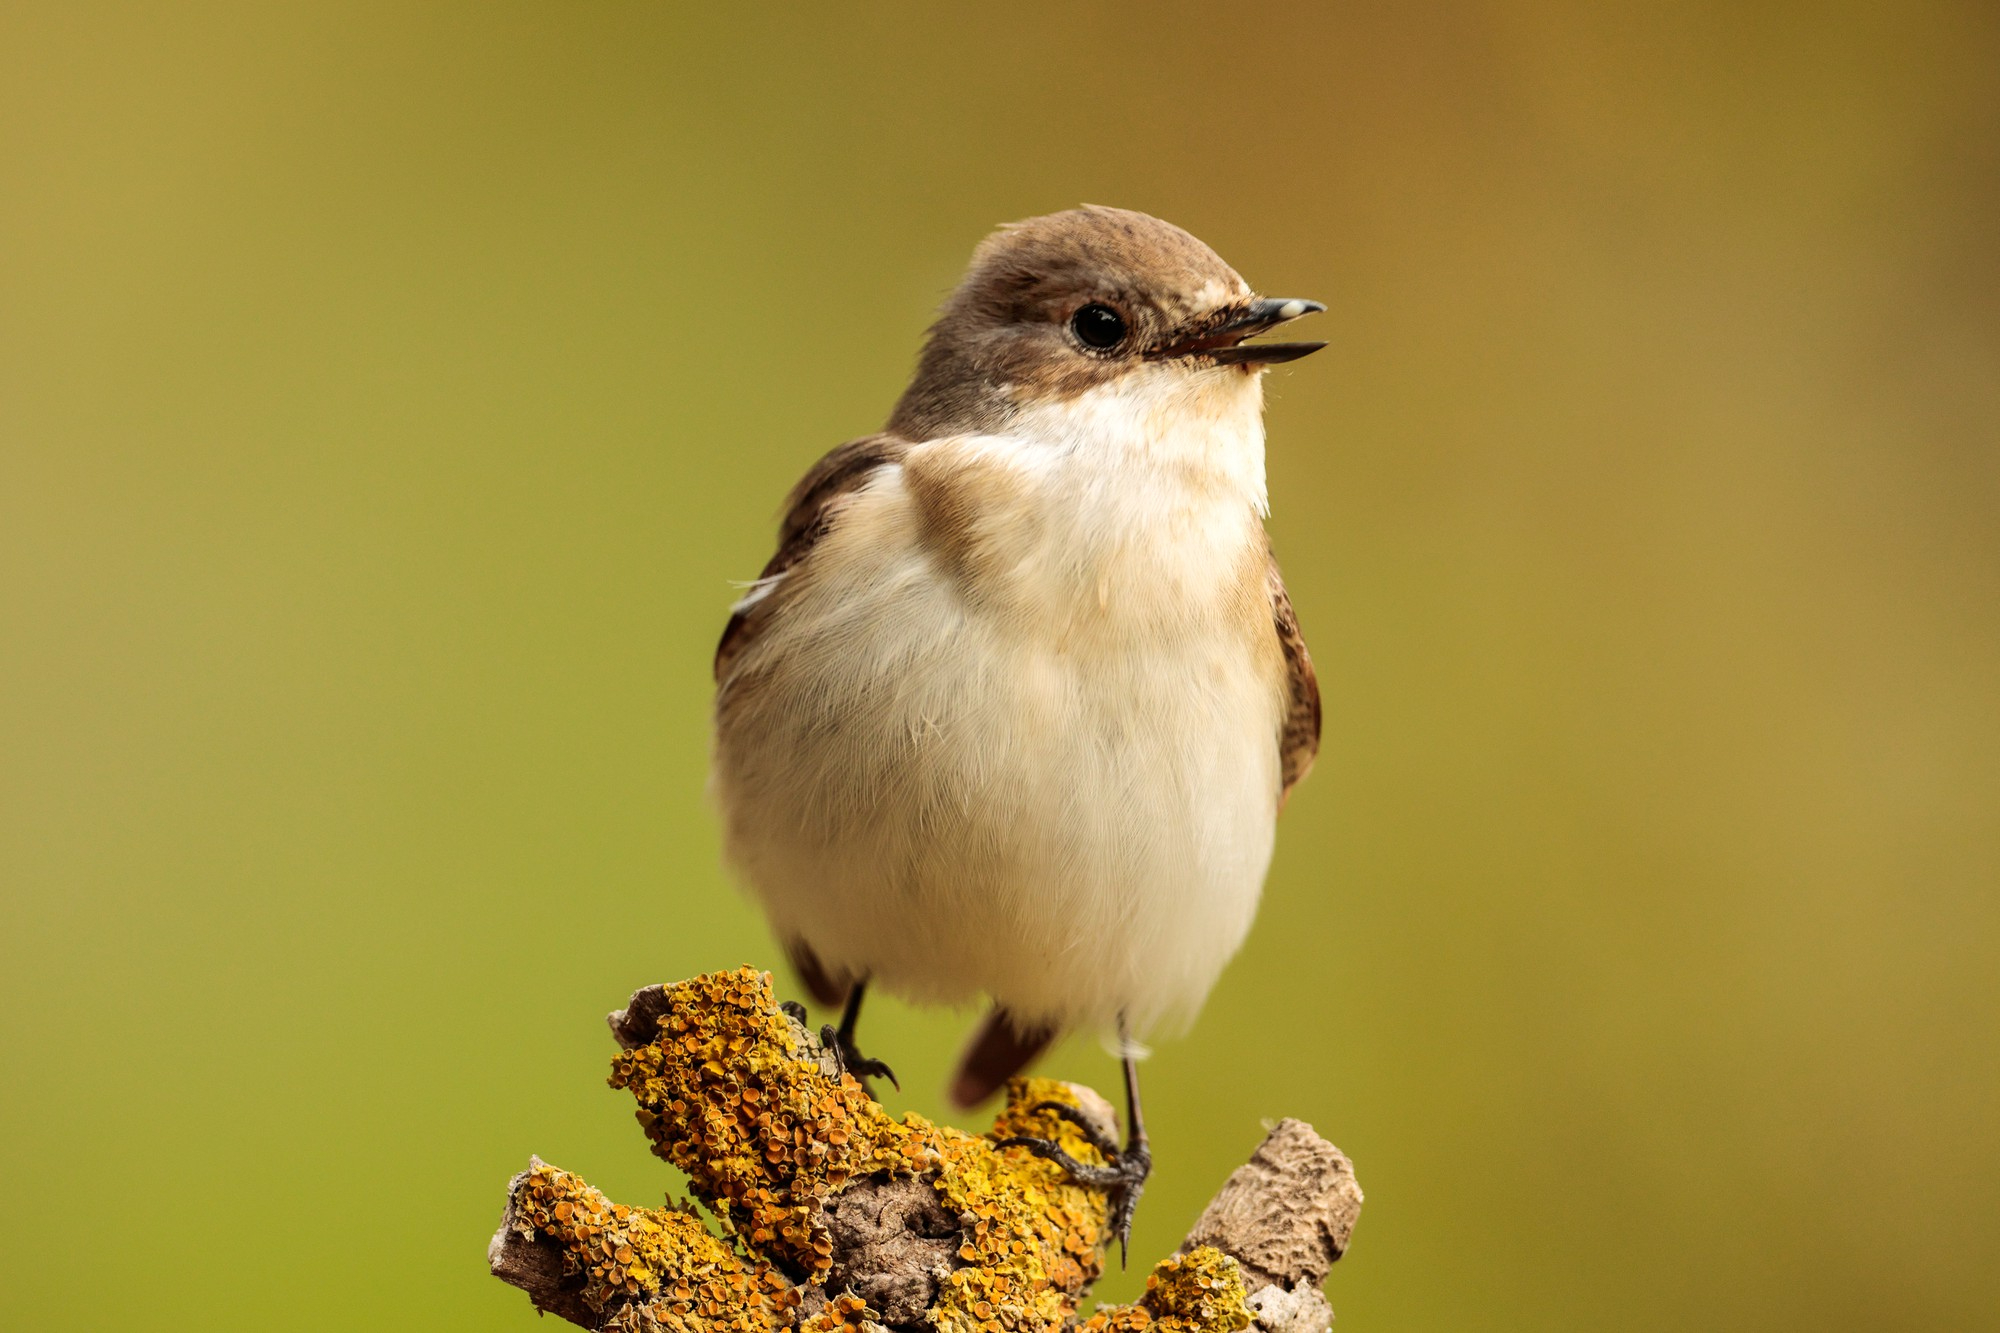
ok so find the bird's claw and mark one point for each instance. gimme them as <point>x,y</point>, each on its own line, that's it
<point>1135,1164</point>
<point>1122,1177</point>
<point>852,1061</point>
<point>1089,1126</point>
<point>1083,1173</point>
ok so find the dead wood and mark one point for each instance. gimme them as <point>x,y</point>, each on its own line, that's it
<point>832,1214</point>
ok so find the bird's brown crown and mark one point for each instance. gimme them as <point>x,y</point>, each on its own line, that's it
<point>1010,333</point>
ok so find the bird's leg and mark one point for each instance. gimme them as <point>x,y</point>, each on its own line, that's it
<point>1137,1160</point>
<point>840,1040</point>
<point>1123,1177</point>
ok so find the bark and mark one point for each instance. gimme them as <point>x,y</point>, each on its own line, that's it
<point>833,1215</point>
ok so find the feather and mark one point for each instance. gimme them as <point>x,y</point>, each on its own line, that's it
<point>997,1052</point>
<point>1298,738</point>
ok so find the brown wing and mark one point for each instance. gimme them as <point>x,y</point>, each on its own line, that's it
<point>1298,739</point>
<point>809,513</point>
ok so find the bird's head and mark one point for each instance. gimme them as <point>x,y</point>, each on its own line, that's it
<point>1094,298</point>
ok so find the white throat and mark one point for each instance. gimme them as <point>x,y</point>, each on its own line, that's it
<point>1136,504</point>
<point>1201,431</point>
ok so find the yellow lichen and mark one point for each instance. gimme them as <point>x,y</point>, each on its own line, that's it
<point>1032,1246</point>
<point>1197,1292</point>
<point>842,1312</point>
<point>727,1093</point>
<point>662,1264</point>
<point>732,1093</point>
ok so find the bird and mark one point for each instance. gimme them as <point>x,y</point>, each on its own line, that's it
<point>1013,709</point>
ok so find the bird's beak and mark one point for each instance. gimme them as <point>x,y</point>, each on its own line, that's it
<point>1221,337</point>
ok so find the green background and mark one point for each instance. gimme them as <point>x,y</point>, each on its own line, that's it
<point>389,392</point>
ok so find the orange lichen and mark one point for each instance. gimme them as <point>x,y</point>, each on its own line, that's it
<point>730,1092</point>
<point>842,1312</point>
<point>1031,1244</point>
<point>661,1264</point>
<point>734,1093</point>
<point>1197,1292</point>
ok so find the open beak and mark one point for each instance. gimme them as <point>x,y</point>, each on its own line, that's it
<point>1221,338</point>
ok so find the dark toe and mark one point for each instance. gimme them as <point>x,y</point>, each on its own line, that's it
<point>852,1061</point>
<point>1093,1132</point>
<point>863,1067</point>
<point>1083,1173</point>
<point>1122,1181</point>
<point>1134,1166</point>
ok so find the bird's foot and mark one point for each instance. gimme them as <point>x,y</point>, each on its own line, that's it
<point>852,1061</point>
<point>1122,1177</point>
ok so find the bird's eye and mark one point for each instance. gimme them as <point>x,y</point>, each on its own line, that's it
<point>1098,326</point>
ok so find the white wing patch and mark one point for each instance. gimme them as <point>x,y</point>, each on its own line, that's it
<point>756,591</point>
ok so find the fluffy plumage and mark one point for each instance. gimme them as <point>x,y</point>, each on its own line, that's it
<point>1013,708</point>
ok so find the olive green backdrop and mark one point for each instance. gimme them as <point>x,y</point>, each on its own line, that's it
<point>389,393</point>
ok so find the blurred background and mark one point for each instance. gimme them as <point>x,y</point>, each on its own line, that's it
<point>389,393</point>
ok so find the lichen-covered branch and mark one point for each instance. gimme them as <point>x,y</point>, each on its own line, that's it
<point>832,1214</point>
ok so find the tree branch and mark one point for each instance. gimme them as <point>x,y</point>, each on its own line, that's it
<point>833,1215</point>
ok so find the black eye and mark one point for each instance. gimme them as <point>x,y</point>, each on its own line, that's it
<point>1098,326</point>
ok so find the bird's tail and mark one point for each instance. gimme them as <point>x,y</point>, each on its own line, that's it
<point>999,1049</point>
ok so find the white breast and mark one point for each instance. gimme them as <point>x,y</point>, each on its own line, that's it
<point>1033,753</point>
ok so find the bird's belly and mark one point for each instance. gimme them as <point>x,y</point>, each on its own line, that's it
<point>953,804</point>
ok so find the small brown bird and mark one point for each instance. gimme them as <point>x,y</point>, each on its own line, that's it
<point>1014,707</point>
